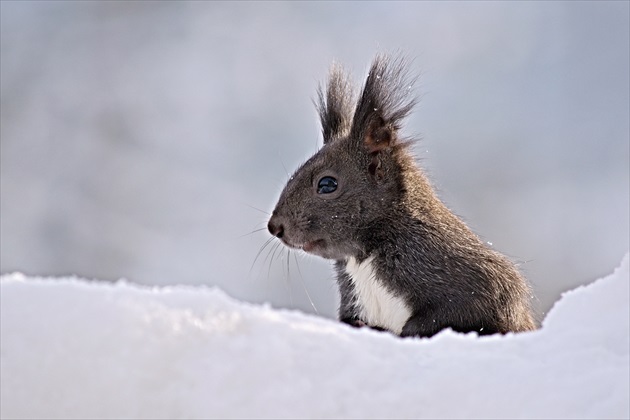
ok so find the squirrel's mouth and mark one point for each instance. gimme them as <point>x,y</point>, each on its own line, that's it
<point>317,247</point>
<point>306,246</point>
<point>313,246</point>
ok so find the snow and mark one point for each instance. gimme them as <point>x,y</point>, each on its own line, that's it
<point>73,348</point>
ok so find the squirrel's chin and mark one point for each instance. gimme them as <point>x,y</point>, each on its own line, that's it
<point>318,247</point>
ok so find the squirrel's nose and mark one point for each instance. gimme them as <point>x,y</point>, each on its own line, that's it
<point>275,228</point>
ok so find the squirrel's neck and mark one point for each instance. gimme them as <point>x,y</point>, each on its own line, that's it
<point>417,221</point>
<point>419,199</point>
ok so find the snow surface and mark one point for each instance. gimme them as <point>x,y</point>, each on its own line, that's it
<point>72,348</point>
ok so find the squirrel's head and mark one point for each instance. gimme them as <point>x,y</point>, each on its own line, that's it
<point>354,183</point>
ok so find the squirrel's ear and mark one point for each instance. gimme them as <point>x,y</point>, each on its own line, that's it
<point>379,136</point>
<point>335,107</point>
<point>386,99</point>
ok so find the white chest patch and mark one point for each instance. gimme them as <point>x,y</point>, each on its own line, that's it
<point>378,307</point>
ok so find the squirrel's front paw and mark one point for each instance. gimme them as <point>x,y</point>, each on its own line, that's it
<point>354,322</point>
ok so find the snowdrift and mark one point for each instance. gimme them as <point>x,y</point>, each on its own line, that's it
<point>72,348</point>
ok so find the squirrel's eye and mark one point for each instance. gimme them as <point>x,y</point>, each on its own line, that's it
<point>326,185</point>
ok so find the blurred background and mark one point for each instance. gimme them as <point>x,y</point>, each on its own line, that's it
<point>146,140</point>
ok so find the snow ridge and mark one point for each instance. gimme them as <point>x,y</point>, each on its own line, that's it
<point>72,348</point>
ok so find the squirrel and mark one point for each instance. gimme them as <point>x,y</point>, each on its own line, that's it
<point>404,262</point>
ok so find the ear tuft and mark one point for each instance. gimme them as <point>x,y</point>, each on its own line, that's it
<point>335,107</point>
<point>385,100</point>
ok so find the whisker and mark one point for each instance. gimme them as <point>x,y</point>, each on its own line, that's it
<point>288,267</point>
<point>273,254</point>
<point>253,231</point>
<point>269,254</point>
<point>282,163</point>
<point>256,208</point>
<point>265,245</point>
<point>288,277</point>
<point>308,295</point>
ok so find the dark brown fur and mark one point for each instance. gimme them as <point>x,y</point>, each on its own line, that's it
<point>382,207</point>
